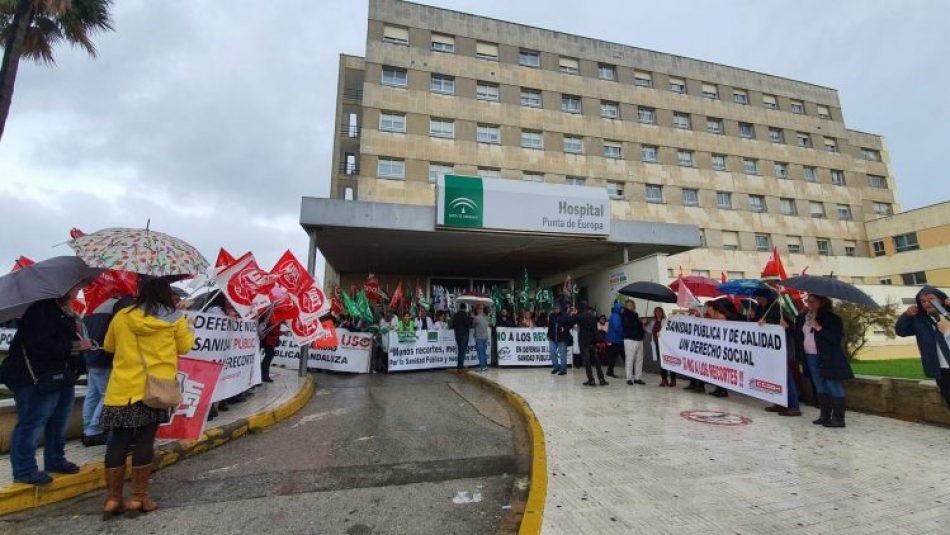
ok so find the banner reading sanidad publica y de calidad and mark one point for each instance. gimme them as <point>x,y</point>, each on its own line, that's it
<point>234,343</point>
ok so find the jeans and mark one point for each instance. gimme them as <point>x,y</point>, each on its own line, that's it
<point>481,349</point>
<point>552,351</point>
<point>633,359</point>
<point>37,412</point>
<point>792,390</point>
<point>560,360</point>
<point>96,381</point>
<point>824,386</point>
<point>462,345</point>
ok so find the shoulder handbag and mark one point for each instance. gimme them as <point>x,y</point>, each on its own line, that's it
<point>49,382</point>
<point>159,393</point>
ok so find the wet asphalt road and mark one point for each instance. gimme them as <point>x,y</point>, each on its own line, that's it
<point>416,453</point>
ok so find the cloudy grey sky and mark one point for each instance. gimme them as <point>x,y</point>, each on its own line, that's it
<point>213,117</point>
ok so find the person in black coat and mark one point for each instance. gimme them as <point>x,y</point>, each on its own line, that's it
<point>932,330</point>
<point>632,331</point>
<point>41,372</point>
<point>586,340</point>
<point>461,324</point>
<point>819,335</point>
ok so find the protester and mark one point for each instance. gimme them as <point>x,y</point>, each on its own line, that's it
<point>40,371</point>
<point>541,319</point>
<point>98,369</point>
<point>423,321</point>
<point>504,320</point>
<point>440,323</point>
<point>461,323</point>
<point>556,347</point>
<point>527,320</point>
<point>651,345</point>
<point>614,338</point>
<point>932,330</point>
<point>769,311</point>
<point>146,339</point>
<point>819,335</point>
<point>723,309</point>
<point>586,336</point>
<point>632,342</point>
<point>269,336</point>
<point>696,385</point>
<point>482,335</point>
<point>600,341</point>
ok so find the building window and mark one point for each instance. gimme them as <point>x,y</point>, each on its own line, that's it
<point>702,238</point>
<point>816,209</point>
<point>763,242</point>
<point>529,58</point>
<point>824,246</point>
<point>486,91</point>
<point>609,110</point>
<point>392,122</point>
<point>877,181</point>
<point>824,112</point>
<point>831,145</point>
<point>877,248</point>
<point>532,177</point>
<point>571,103</point>
<point>730,240</point>
<point>487,51</point>
<point>714,126</point>
<point>488,134</point>
<point>350,165</point>
<point>685,158</point>
<point>740,97</point>
<point>530,98</point>
<point>646,115</point>
<point>575,181</point>
<point>532,139</point>
<point>443,43</point>
<point>811,174</point>
<point>648,153</point>
<point>757,204</point>
<point>443,84</point>
<point>710,91</point>
<point>682,120</point>
<point>871,155</point>
<point>700,273</point>
<point>394,77</point>
<point>724,200</point>
<point>788,206</point>
<point>605,71</point>
<point>917,278</point>
<point>796,106</point>
<point>906,242</point>
<point>573,144</point>
<point>391,168</point>
<point>489,172</point>
<point>886,281</point>
<point>794,244</point>
<point>850,248</point>
<point>678,85</point>
<point>439,170</point>
<point>642,79</point>
<point>750,166</point>
<point>746,130</point>
<point>844,212</point>
<point>396,35</point>
<point>442,128</point>
<point>615,189</point>
<point>883,208</point>
<point>776,135</point>
<point>837,177</point>
<point>803,140</point>
<point>654,193</point>
<point>719,162</point>
<point>568,66</point>
<point>769,102</point>
<point>781,169</point>
<point>690,197</point>
<point>613,150</point>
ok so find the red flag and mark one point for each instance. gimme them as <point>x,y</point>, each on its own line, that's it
<point>291,274</point>
<point>284,309</point>
<point>775,270</point>
<point>309,329</point>
<point>804,271</point>
<point>312,301</point>
<point>196,380</point>
<point>336,301</point>
<point>326,336</point>
<point>373,291</point>
<point>723,277</point>
<point>21,263</point>
<point>224,259</point>
<point>398,296</point>
<point>75,233</point>
<point>684,297</point>
<point>109,284</point>
<point>246,285</point>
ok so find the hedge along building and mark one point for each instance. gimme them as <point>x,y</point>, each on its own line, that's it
<point>745,160</point>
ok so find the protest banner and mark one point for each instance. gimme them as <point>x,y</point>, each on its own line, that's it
<point>232,343</point>
<point>424,350</point>
<point>352,353</point>
<point>523,346</point>
<point>745,357</point>
<point>6,337</point>
<point>196,381</point>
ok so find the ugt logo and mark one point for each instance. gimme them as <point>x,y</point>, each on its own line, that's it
<point>464,201</point>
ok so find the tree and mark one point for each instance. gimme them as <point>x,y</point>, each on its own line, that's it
<point>32,28</point>
<point>859,320</point>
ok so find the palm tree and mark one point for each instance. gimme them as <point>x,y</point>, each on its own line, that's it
<point>31,28</point>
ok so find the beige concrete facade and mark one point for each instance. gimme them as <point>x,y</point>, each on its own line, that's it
<point>851,185</point>
<point>911,243</point>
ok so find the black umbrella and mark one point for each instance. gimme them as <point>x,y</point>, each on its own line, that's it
<point>49,279</point>
<point>650,291</point>
<point>829,287</point>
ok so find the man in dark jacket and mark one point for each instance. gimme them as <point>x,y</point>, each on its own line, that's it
<point>632,343</point>
<point>769,311</point>
<point>932,330</point>
<point>614,338</point>
<point>553,347</point>
<point>461,323</point>
<point>586,335</point>
<point>563,323</point>
<point>504,320</point>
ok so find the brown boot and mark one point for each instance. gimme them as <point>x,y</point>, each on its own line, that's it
<point>140,502</point>
<point>115,478</point>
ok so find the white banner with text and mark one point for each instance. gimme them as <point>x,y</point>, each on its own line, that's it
<point>523,346</point>
<point>229,341</point>
<point>6,337</point>
<point>427,350</point>
<point>352,353</point>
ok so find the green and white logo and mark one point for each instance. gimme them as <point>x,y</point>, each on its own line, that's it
<point>464,201</point>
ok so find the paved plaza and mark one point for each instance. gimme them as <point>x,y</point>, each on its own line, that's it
<point>624,459</point>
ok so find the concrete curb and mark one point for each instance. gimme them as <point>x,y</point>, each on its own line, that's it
<point>19,497</point>
<point>538,490</point>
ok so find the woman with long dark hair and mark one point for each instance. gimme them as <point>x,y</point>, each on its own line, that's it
<point>653,327</point>
<point>146,339</point>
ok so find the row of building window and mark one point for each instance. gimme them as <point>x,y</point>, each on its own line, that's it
<point>534,139</point>
<point>532,98</point>
<point>902,243</point>
<point>794,245</point>
<point>605,71</point>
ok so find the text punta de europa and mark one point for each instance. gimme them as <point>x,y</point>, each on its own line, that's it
<point>575,217</point>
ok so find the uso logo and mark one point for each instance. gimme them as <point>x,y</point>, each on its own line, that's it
<point>360,342</point>
<point>673,361</point>
<point>765,386</point>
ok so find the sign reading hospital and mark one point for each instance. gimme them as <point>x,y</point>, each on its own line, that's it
<point>497,204</point>
<point>745,357</point>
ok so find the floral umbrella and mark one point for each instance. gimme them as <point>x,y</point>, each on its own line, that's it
<point>139,251</point>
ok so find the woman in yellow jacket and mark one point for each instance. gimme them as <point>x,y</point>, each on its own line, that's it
<point>150,334</point>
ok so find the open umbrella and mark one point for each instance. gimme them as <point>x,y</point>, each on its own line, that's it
<point>699,286</point>
<point>830,287</point>
<point>140,251</point>
<point>49,279</point>
<point>651,291</point>
<point>743,287</point>
<point>474,298</point>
